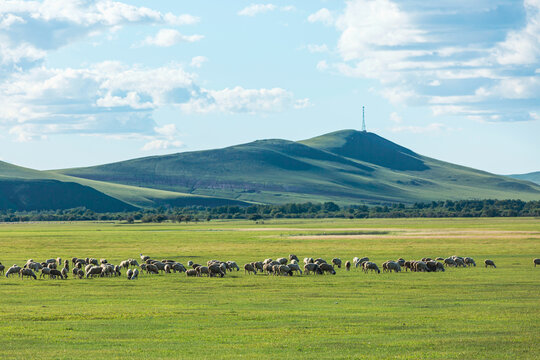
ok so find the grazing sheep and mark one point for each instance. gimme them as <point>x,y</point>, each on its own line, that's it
<point>259,266</point>
<point>117,271</point>
<point>348,265</point>
<point>337,262</point>
<point>450,262</point>
<point>52,266</point>
<point>129,273</point>
<point>267,261</point>
<point>65,272</point>
<point>320,261</point>
<point>469,261</point>
<point>282,261</point>
<point>93,270</point>
<point>135,274</point>
<point>28,273</point>
<point>56,273</point>
<point>460,262</point>
<point>151,268</point>
<point>401,262</point>
<point>50,261</point>
<point>144,257</point>
<point>133,262</point>
<point>535,261</point>
<point>360,261</point>
<point>268,268</point>
<point>368,265</point>
<point>14,269</point>
<point>420,266</point>
<point>75,271</point>
<point>178,267</point>
<point>191,272</point>
<point>80,273</point>
<point>216,269</point>
<point>33,266</point>
<point>232,265</point>
<point>125,264</point>
<point>489,263</point>
<point>295,268</point>
<point>45,271</point>
<point>59,261</point>
<point>203,270</point>
<point>433,265</point>
<point>308,261</point>
<point>66,264</point>
<point>284,270</point>
<point>327,268</point>
<point>294,261</point>
<point>248,268</point>
<point>393,266</point>
<point>312,268</point>
<point>167,268</point>
<point>293,257</point>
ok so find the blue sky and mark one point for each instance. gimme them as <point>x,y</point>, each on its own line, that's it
<point>95,81</point>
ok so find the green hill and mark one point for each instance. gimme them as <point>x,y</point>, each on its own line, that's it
<point>533,177</point>
<point>35,189</point>
<point>345,166</point>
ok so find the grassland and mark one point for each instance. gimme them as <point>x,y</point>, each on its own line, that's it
<point>473,313</point>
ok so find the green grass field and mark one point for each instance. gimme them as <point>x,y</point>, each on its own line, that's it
<point>473,313</point>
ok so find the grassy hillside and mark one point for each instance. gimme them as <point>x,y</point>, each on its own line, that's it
<point>345,166</point>
<point>131,196</point>
<point>533,177</point>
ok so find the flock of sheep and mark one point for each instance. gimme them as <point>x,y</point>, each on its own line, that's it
<point>90,267</point>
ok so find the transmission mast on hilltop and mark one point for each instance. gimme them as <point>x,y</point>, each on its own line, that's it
<point>363,121</point>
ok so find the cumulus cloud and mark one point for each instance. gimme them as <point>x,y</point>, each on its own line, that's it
<point>422,55</point>
<point>255,9</point>
<point>170,37</point>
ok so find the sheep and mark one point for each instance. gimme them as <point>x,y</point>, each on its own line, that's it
<point>275,269</point>
<point>360,261</point>
<point>267,261</point>
<point>258,266</point>
<point>203,270</point>
<point>27,272</point>
<point>178,267</point>
<point>2,267</point>
<point>308,261</point>
<point>191,272</point>
<point>117,271</point>
<point>33,266</point>
<point>433,265</point>
<point>420,266</point>
<point>535,261</point>
<point>488,262</point>
<point>449,262</point>
<point>75,271</point>
<point>93,270</point>
<point>337,262</point>
<point>65,272</point>
<point>133,262</point>
<point>393,266</point>
<point>401,262</point>
<point>368,265</point>
<point>233,265</point>
<point>189,263</point>
<point>125,264</point>
<point>144,257</point>
<point>268,268</point>
<point>52,266</point>
<point>45,271</point>
<point>195,266</point>
<point>14,269</point>
<point>74,260</point>
<point>426,259</point>
<point>215,269</point>
<point>151,268</point>
<point>129,273</point>
<point>284,270</point>
<point>80,273</point>
<point>282,261</point>
<point>56,273</point>
<point>295,267</point>
<point>293,257</point>
<point>135,274</point>
<point>320,261</point>
<point>66,264</point>
<point>167,268</point>
<point>460,262</point>
<point>327,268</point>
<point>224,268</point>
<point>348,265</point>
<point>469,261</point>
<point>248,268</point>
<point>50,261</point>
<point>59,261</point>
<point>312,268</point>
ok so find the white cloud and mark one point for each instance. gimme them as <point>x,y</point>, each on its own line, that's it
<point>395,118</point>
<point>161,145</point>
<point>255,9</point>
<point>165,138</point>
<point>322,65</point>
<point>198,61</point>
<point>241,100</point>
<point>314,48</point>
<point>170,37</point>
<point>323,15</point>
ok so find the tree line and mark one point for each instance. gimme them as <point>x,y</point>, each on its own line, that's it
<point>434,209</point>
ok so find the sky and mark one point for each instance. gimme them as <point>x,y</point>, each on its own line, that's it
<point>88,82</point>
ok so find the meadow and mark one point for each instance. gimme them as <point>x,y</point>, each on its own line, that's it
<point>473,313</point>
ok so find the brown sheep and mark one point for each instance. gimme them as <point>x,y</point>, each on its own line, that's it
<point>28,273</point>
<point>250,269</point>
<point>489,263</point>
<point>312,268</point>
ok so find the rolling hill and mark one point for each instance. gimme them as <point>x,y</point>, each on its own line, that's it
<point>347,167</point>
<point>27,189</point>
<point>533,177</point>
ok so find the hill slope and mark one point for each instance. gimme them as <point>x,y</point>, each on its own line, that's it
<point>34,190</point>
<point>533,177</point>
<point>345,166</point>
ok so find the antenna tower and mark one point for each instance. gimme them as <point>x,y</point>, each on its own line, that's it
<point>363,120</point>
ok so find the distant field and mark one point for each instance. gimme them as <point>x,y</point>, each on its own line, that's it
<point>473,313</point>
